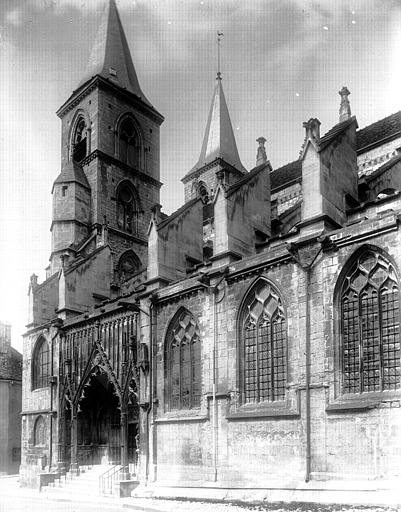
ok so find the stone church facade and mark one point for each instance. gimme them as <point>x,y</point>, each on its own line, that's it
<point>251,338</point>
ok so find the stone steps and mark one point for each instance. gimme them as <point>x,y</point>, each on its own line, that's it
<point>85,484</point>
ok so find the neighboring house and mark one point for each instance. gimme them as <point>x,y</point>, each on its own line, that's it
<point>250,339</point>
<point>10,403</point>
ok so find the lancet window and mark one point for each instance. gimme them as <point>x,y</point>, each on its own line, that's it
<point>183,362</point>
<point>129,143</point>
<point>79,148</point>
<point>39,434</point>
<point>263,347</point>
<point>41,365</point>
<point>370,325</point>
<point>127,209</point>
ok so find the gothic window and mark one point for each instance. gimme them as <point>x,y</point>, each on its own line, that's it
<point>129,143</point>
<point>370,325</point>
<point>41,365</point>
<point>79,147</point>
<point>128,265</point>
<point>183,363</point>
<point>203,193</point>
<point>127,212</point>
<point>39,433</point>
<point>263,345</point>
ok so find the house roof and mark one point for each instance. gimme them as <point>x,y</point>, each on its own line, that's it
<point>11,365</point>
<point>286,174</point>
<point>248,176</point>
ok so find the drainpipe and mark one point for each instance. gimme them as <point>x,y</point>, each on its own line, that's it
<point>307,268</point>
<point>52,383</point>
<point>214,291</point>
<point>150,406</point>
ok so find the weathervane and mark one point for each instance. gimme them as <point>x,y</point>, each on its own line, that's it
<point>219,35</point>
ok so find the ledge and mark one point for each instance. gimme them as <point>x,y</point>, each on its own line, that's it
<point>264,413</point>
<point>180,419</point>
<point>364,403</point>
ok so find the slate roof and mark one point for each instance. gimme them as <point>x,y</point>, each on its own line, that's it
<point>286,174</point>
<point>219,139</point>
<point>238,184</point>
<point>72,173</point>
<point>389,127</point>
<point>11,365</point>
<point>110,57</point>
<point>385,128</point>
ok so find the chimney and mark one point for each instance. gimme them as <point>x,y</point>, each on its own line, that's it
<point>312,129</point>
<point>345,108</point>
<point>261,157</point>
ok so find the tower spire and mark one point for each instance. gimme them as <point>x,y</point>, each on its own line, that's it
<point>110,57</point>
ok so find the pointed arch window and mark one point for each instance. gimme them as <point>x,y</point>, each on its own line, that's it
<point>41,365</point>
<point>79,149</point>
<point>127,208</point>
<point>129,143</point>
<point>129,264</point>
<point>263,347</point>
<point>39,432</point>
<point>370,325</point>
<point>183,363</point>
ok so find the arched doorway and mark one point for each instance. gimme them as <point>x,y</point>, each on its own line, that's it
<point>98,422</point>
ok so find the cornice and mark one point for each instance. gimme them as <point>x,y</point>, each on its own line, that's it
<point>101,83</point>
<point>108,159</point>
<point>217,161</point>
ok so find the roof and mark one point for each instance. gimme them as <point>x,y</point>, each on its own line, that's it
<point>72,173</point>
<point>110,57</point>
<point>335,131</point>
<point>286,174</point>
<point>248,176</point>
<point>11,365</point>
<point>373,134</point>
<point>219,140</point>
<point>385,128</point>
<point>177,213</point>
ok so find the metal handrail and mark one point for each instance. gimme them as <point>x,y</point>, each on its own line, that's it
<point>108,479</point>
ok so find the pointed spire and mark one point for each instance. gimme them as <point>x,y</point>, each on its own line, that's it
<point>219,140</point>
<point>110,56</point>
<point>345,107</point>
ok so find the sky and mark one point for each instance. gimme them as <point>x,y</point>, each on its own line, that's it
<point>282,62</point>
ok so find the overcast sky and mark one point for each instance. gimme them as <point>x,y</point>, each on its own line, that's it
<point>283,61</point>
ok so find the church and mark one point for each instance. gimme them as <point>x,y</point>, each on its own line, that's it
<point>251,339</point>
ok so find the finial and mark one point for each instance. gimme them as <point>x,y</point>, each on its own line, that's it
<point>261,157</point>
<point>219,36</point>
<point>345,107</point>
<point>312,128</point>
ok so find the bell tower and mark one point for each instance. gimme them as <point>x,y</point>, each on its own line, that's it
<point>110,162</point>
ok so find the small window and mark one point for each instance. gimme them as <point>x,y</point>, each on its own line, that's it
<point>128,265</point>
<point>41,365</point>
<point>183,362</point>
<point>64,190</point>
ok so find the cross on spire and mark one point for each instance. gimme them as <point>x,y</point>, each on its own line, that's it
<point>219,36</point>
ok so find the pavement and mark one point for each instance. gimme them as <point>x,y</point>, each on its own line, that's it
<point>13,498</point>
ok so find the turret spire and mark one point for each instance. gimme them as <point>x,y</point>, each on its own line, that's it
<point>110,57</point>
<point>219,140</point>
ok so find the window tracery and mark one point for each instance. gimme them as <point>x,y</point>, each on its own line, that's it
<point>79,148</point>
<point>183,363</point>
<point>370,326</point>
<point>129,143</point>
<point>263,333</point>
<point>127,211</point>
<point>41,365</point>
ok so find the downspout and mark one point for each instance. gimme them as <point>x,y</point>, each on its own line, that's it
<point>307,268</point>
<point>51,400</point>
<point>150,406</point>
<point>214,401</point>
